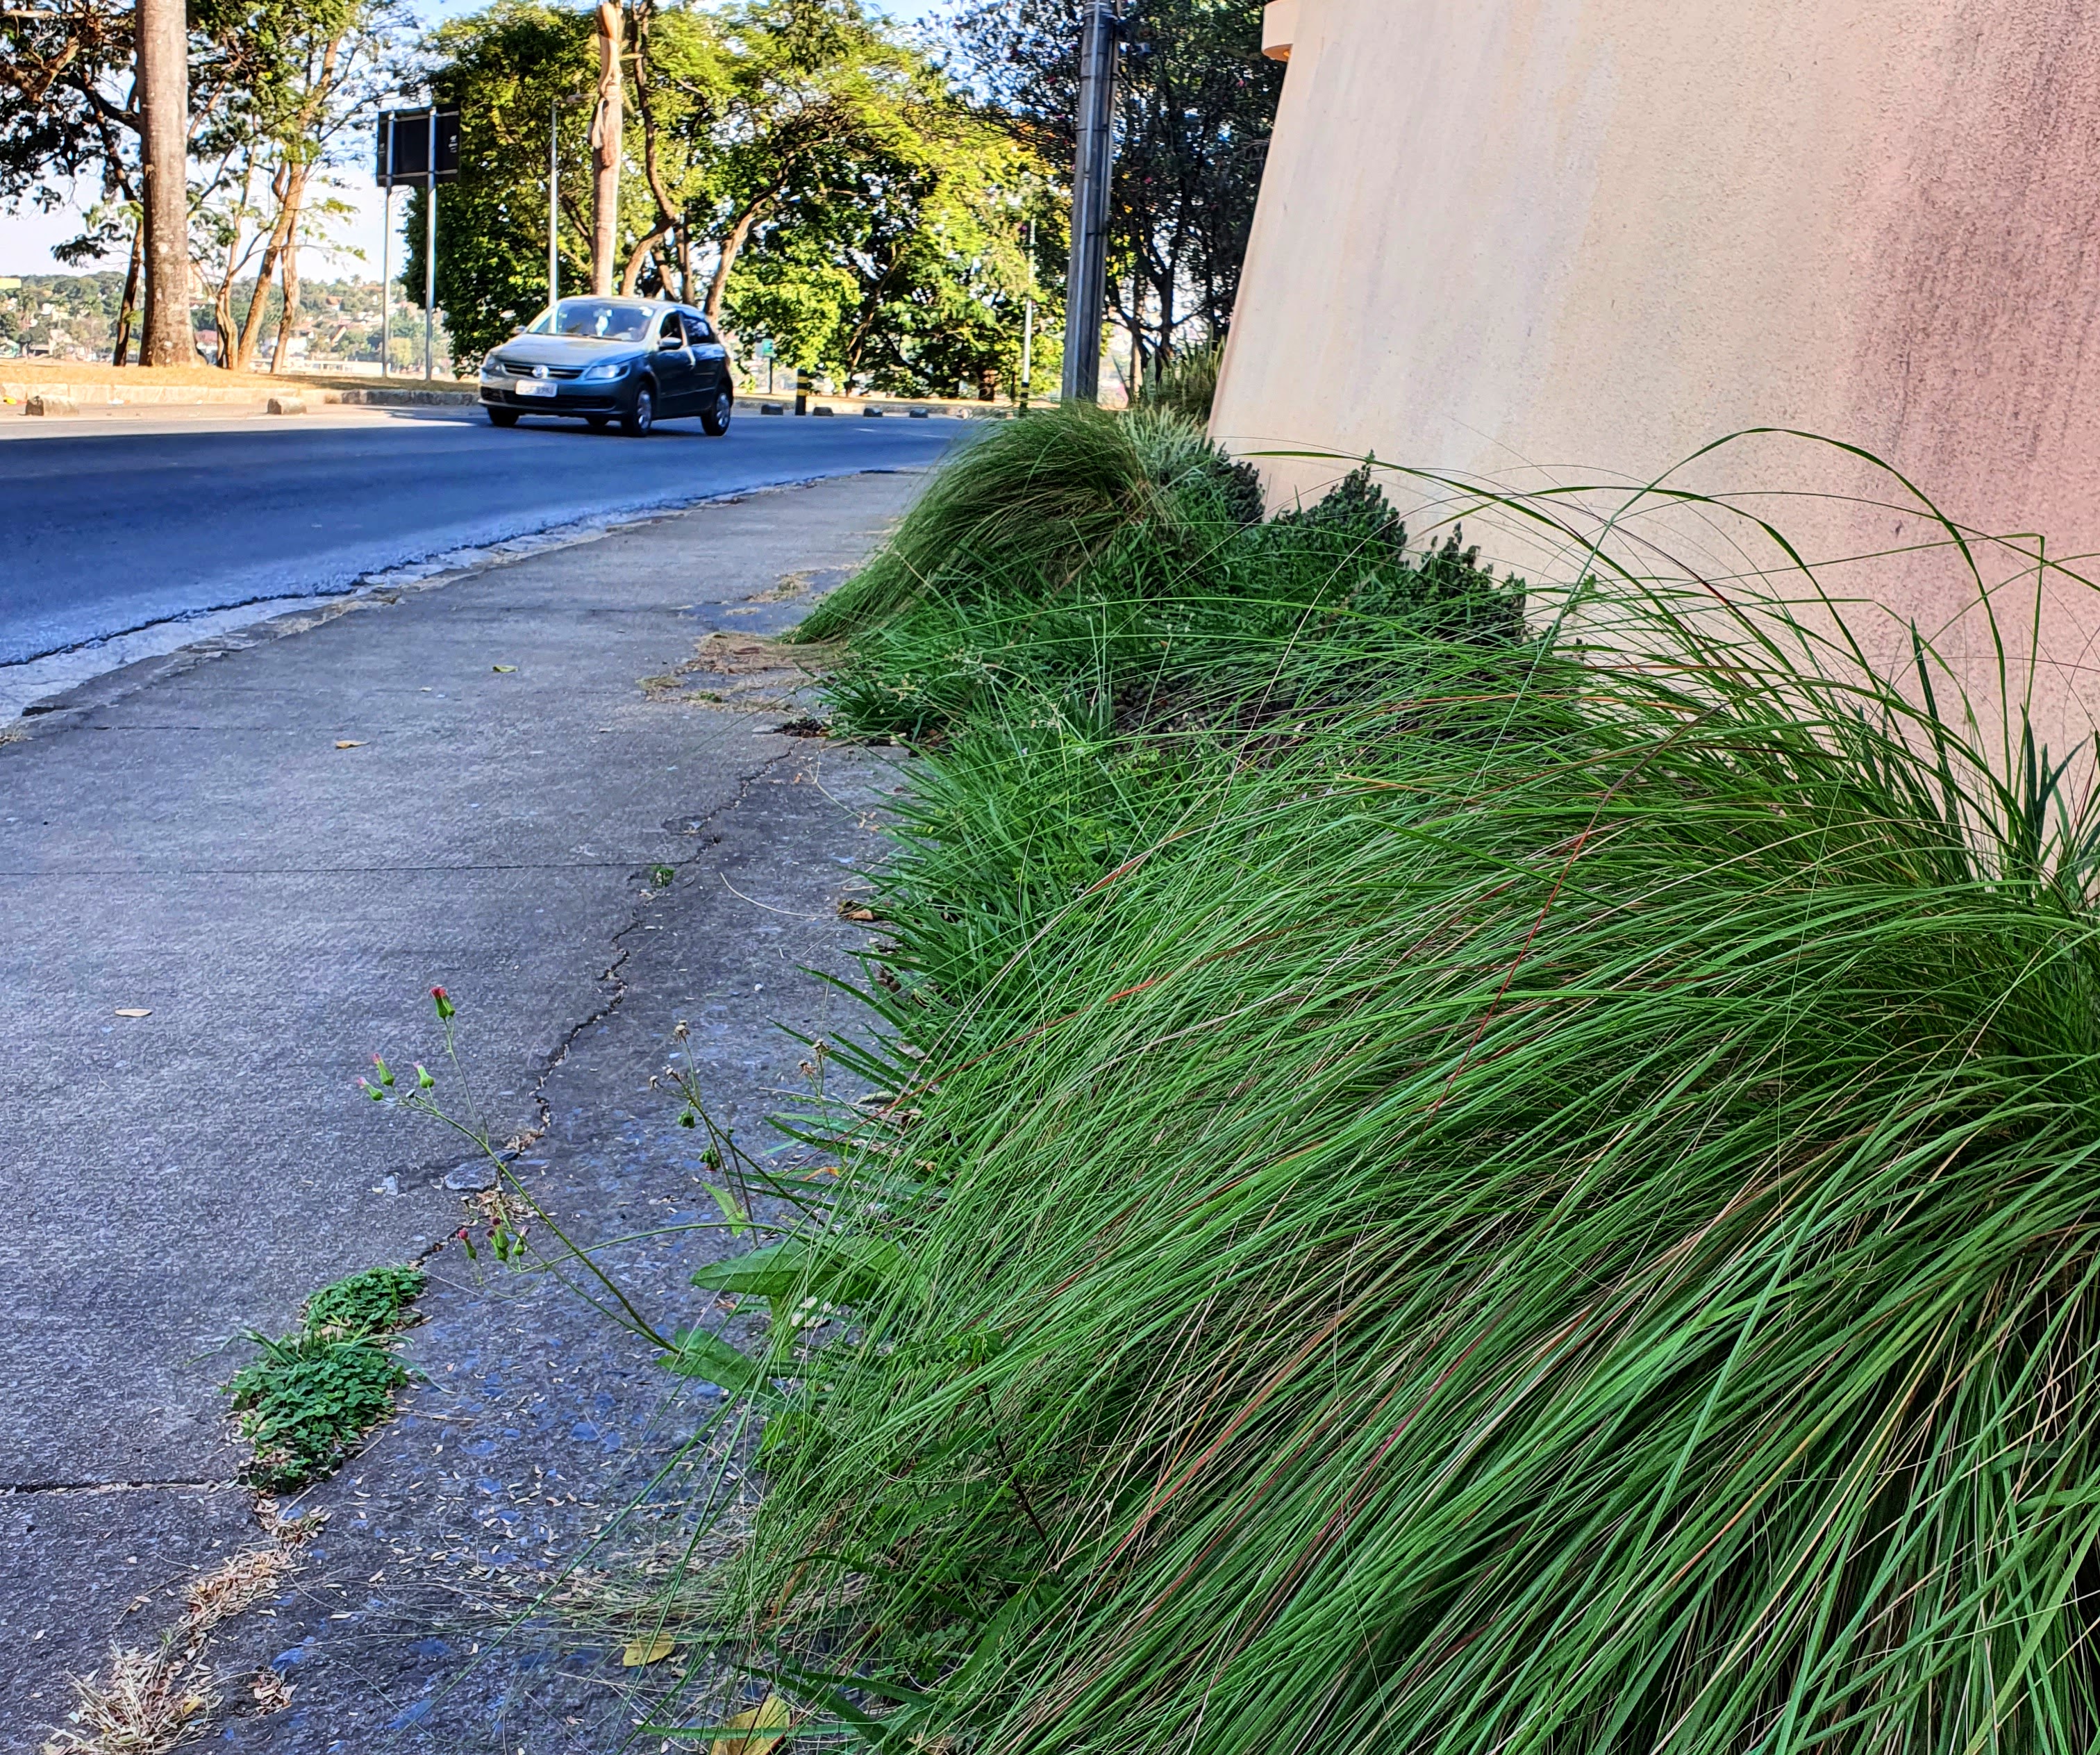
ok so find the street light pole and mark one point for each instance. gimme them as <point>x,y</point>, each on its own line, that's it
<point>431,253</point>
<point>1028,325</point>
<point>1086,283</point>
<point>553,202</point>
<point>386,262</point>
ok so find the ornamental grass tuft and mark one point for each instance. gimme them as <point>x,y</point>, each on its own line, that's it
<point>1442,1188</point>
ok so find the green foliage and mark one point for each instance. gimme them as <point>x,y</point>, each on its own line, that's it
<point>1197,101</point>
<point>310,1396</point>
<point>1092,566</point>
<point>371,1303</point>
<point>1186,385</point>
<point>505,67</point>
<point>832,193</point>
<point>1033,498</point>
<point>912,273</point>
<point>1467,1190</point>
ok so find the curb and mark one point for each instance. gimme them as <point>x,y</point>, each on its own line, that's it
<point>404,399</point>
<point>198,395</point>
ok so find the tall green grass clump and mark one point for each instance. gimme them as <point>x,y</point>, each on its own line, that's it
<point>1440,1190</point>
<point>1038,496</point>
<point>1186,385</point>
<point>1185,597</point>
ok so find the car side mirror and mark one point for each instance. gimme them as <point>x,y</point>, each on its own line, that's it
<point>670,344</point>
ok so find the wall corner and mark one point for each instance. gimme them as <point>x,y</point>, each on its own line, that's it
<point>1279,28</point>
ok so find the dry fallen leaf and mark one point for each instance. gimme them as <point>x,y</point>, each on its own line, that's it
<point>134,1010</point>
<point>770,1715</point>
<point>850,912</point>
<point>349,743</point>
<point>503,670</point>
<point>640,1652</point>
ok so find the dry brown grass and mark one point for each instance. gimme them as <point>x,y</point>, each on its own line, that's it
<point>272,1693</point>
<point>235,1588</point>
<point>145,1703</point>
<point>755,674</point>
<point>140,1703</point>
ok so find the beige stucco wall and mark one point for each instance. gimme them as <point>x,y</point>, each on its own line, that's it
<point>1559,240</point>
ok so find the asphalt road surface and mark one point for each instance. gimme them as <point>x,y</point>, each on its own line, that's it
<point>109,524</point>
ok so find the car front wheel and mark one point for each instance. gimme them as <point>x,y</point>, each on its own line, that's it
<point>502,416</point>
<point>715,421</point>
<point>640,413</point>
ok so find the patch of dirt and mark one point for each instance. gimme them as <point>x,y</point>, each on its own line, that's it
<point>737,670</point>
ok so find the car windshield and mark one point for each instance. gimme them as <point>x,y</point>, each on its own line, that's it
<point>595,319</point>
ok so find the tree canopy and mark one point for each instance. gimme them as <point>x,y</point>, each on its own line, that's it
<point>274,86</point>
<point>797,166</point>
<point>1197,103</point>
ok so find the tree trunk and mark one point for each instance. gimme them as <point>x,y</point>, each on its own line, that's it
<point>289,186</point>
<point>732,247</point>
<point>164,105</point>
<point>221,298</point>
<point>667,212</point>
<point>605,138</point>
<point>282,360</point>
<point>640,254</point>
<point>119,355</point>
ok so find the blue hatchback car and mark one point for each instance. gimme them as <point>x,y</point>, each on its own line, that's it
<point>634,360</point>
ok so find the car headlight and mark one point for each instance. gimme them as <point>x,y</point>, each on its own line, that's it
<point>610,368</point>
<point>491,367</point>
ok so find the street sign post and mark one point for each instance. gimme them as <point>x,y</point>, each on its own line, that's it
<point>1086,293</point>
<point>419,148</point>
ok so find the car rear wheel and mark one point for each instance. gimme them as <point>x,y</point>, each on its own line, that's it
<point>640,414</point>
<point>502,416</point>
<point>715,421</point>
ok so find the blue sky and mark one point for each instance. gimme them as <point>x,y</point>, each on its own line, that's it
<point>26,237</point>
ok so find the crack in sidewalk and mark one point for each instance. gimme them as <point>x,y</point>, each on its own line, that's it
<point>700,827</point>
<point>9,1489</point>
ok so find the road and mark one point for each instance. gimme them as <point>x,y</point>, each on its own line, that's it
<point>112,524</point>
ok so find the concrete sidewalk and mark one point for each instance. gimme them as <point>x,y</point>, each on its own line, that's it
<point>276,852</point>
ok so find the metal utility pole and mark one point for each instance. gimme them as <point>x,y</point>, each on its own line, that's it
<point>430,253</point>
<point>387,278</point>
<point>553,202</point>
<point>1028,325</point>
<point>1087,284</point>
<point>163,108</point>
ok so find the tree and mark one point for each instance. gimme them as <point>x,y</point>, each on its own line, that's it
<point>916,279</point>
<point>163,89</point>
<point>607,143</point>
<point>270,88</point>
<point>299,74</point>
<point>60,67</point>
<point>508,68</point>
<point>1198,102</point>
<point>806,176</point>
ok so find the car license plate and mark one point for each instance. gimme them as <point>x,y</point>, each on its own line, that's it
<point>531,388</point>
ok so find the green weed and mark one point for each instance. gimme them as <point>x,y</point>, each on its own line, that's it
<point>312,1395</point>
